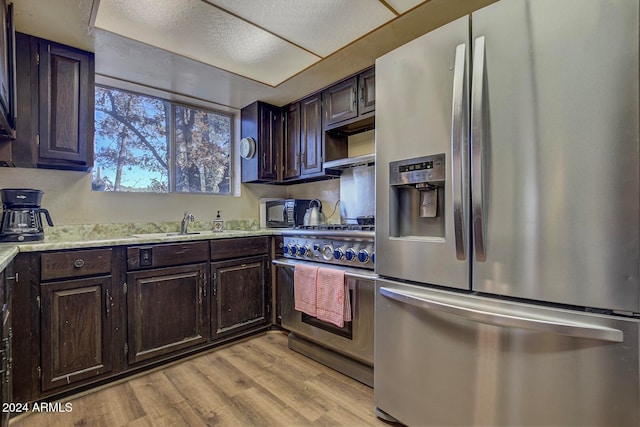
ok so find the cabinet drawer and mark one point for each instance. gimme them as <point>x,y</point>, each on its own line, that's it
<point>166,255</point>
<point>234,248</point>
<point>56,265</point>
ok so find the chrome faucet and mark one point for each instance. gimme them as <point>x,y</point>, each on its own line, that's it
<point>185,222</point>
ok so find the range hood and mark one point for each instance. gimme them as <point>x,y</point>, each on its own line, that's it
<point>350,162</point>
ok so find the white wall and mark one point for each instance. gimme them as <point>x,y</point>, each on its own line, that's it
<point>69,199</point>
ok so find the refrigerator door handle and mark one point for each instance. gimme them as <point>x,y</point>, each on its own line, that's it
<point>459,142</point>
<point>540,324</point>
<point>478,134</point>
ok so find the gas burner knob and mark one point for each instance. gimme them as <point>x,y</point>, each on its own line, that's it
<point>373,257</point>
<point>363,256</point>
<point>307,251</point>
<point>350,255</point>
<point>338,254</point>
<point>294,249</point>
<point>327,252</point>
<point>285,249</point>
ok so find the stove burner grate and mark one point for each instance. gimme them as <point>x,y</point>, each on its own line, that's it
<point>331,227</point>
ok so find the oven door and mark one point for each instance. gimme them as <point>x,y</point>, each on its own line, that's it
<point>355,339</point>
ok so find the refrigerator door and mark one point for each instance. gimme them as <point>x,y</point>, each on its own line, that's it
<point>555,151</point>
<point>414,103</point>
<point>445,358</point>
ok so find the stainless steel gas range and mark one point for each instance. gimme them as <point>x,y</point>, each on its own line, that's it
<point>349,248</point>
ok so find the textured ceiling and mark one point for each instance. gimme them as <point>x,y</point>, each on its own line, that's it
<point>267,41</point>
<point>135,65</point>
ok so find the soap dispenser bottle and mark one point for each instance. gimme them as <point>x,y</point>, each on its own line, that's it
<point>218,223</point>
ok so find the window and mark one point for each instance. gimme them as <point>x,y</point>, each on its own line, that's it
<point>148,144</point>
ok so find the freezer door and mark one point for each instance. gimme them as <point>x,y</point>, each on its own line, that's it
<point>444,358</point>
<point>555,151</point>
<point>414,104</point>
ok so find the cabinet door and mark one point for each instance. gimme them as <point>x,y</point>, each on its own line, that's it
<point>269,140</point>
<point>7,72</point>
<point>5,344</point>
<point>241,295</point>
<point>311,135</point>
<point>66,106</point>
<point>341,101</point>
<point>291,145</point>
<point>262,122</point>
<point>367,91</point>
<point>165,311</point>
<point>76,331</point>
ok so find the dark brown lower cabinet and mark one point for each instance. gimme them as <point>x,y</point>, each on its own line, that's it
<point>166,311</point>
<point>76,331</point>
<point>240,294</point>
<point>6,357</point>
<point>88,315</point>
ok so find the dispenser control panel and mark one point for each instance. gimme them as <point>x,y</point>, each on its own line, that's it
<point>429,169</point>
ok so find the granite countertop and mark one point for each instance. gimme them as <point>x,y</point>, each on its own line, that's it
<point>100,235</point>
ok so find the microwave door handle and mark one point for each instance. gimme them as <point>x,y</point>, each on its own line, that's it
<point>459,143</point>
<point>478,148</point>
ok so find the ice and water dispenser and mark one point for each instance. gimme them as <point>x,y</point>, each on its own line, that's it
<point>417,197</point>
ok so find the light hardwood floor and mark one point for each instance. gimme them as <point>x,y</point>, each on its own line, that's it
<point>255,382</point>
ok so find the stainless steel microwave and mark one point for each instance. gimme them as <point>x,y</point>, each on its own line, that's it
<point>284,213</point>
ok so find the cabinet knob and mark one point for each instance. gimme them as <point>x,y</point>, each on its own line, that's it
<point>79,263</point>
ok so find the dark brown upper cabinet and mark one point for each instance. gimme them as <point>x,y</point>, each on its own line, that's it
<point>367,91</point>
<point>306,146</point>
<point>264,124</point>
<point>349,105</point>
<point>291,144</point>
<point>55,108</point>
<point>7,72</point>
<point>311,135</point>
<point>66,80</point>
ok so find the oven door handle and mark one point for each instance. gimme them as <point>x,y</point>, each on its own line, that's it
<point>348,274</point>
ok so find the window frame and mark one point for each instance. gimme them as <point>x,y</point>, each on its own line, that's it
<point>185,101</point>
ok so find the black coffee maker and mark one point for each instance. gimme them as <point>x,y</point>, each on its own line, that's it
<point>21,215</point>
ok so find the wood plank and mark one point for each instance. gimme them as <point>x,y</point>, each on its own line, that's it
<point>257,381</point>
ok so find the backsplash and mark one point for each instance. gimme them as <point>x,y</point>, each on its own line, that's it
<point>357,193</point>
<point>106,231</point>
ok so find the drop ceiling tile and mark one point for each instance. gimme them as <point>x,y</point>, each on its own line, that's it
<point>195,29</point>
<point>402,6</point>
<point>320,26</point>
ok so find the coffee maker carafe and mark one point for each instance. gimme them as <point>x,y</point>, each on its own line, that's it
<point>21,215</point>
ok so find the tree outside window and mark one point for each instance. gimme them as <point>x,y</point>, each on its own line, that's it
<point>147,144</point>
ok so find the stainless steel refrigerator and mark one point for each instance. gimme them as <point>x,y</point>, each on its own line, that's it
<point>508,218</point>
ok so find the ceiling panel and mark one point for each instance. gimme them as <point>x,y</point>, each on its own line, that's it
<point>197,30</point>
<point>320,26</point>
